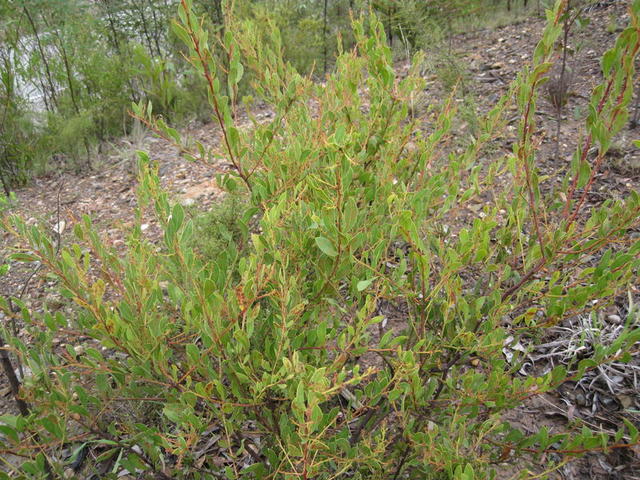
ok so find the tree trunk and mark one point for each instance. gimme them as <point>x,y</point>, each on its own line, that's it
<point>324,38</point>
<point>220,18</point>
<point>72,91</point>
<point>47,70</point>
<point>112,27</point>
<point>156,29</point>
<point>390,25</point>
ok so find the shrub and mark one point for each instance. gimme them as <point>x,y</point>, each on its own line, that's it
<point>288,366</point>
<point>222,227</point>
<point>16,129</point>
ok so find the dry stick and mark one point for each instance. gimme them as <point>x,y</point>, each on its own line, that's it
<point>355,436</point>
<point>14,383</point>
<point>563,82</point>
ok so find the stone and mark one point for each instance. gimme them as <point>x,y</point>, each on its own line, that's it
<point>614,319</point>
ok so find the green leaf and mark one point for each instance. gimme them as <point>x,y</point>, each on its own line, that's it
<point>239,72</point>
<point>23,257</point>
<point>608,60</point>
<point>339,135</point>
<point>363,284</point>
<point>9,433</point>
<point>316,416</point>
<point>174,412</point>
<point>584,174</point>
<point>326,246</point>
<point>181,33</point>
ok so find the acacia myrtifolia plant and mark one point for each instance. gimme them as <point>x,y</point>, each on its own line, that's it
<point>275,359</point>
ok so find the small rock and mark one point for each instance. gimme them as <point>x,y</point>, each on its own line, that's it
<point>625,400</point>
<point>144,226</point>
<point>187,202</point>
<point>79,350</point>
<point>59,227</point>
<point>615,319</point>
<point>608,402</point>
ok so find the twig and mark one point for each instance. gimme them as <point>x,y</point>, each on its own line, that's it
<point>14,382</point>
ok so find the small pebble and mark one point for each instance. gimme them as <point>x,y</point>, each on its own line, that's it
<point>608,402</point>
<point>615,319</point>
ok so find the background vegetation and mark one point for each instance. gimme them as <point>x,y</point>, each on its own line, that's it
<point>70,69</point>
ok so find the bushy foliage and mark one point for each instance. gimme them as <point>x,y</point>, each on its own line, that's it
<point>76,67</point>
<point>361,334</point>
<point>79,64</point>
<point>222,227</point>
<point>15,130</point>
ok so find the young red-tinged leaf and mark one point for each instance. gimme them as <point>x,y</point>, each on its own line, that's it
<point>23,257</point>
